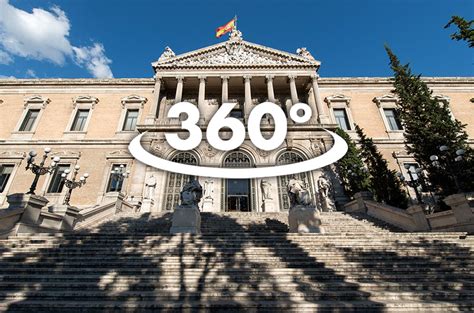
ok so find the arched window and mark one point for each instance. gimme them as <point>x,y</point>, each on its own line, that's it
<point>289,157</point>
<point>176,181</point>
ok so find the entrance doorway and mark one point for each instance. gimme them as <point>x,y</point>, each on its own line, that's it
<point>238,192</point>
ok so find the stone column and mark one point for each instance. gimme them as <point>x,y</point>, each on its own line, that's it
<point>225,89</point>
<point>202,90</point>
<point>322,115</point>
<point>248,96</point>
<point>179,89</point>
<point>294,92</point>
<point>150,119</point>
<point>270,91</point>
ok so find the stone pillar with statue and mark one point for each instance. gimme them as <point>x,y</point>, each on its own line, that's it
<point>149,196</point>
<point>303,217</point>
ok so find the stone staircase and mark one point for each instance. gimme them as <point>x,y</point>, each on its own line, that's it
<point>241,262</point>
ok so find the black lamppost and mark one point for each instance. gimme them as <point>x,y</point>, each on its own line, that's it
<point>448,162</point>
<point>120,174</point>
<point>71,184</point>
<point>414,182</point>
<point>40,169</point>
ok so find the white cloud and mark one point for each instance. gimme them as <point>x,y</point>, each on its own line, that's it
<point>5,58</point>
<point>44,35</point>
<point>7,77</point>
<point>94,59</point>
<point>30,73</point>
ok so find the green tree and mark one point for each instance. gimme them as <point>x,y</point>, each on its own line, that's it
<point>353,174</point>
<point>465,31</point>
<point>385,184</point>
<point>428,125</point>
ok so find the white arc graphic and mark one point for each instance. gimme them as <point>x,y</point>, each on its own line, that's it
<point>337,151</point>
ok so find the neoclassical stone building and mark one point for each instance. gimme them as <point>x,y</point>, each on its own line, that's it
<point>90,122</point>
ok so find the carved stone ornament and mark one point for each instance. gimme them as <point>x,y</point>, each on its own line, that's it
<point>263,153</point>
<point>304,53</point>
<point>66,154</point>
<point>119,154</point>
<point>12,155</point>
<point>167,54</point>
<point>158,147</point>
<point>36,99</point>
<point>208,150</point>
<point>317,146</point>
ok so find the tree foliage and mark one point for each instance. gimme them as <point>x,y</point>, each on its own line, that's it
<point>353,174</point>
<point>385,184</point>
<point>428,124</point>
<point>465,31</point>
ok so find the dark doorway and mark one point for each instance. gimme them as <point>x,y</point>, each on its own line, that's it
<point>237,195</point>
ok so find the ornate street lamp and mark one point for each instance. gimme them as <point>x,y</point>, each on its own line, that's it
<point>414,182</point>
<point>435,161</point>
<point>120,173</point>
<point>40,169</point>
<point>72,184</point>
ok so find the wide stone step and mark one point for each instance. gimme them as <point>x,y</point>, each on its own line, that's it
<point>314,295</point>
<point>239,306</point>
<point>143,283</point>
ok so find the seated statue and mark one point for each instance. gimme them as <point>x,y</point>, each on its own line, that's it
<point>191,193</point>
<point>298,193</point>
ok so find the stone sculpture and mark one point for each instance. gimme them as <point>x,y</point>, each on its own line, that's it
<point>325,194</point>
<point>303,217</point>
<point>266,189</point>
<point>186,216</point>
<point>298,193</point>
<point>150,185</point>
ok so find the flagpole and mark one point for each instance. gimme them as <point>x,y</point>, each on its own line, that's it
<point>235,18</point>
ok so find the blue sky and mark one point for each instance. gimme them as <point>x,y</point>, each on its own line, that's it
<point>91,38</point>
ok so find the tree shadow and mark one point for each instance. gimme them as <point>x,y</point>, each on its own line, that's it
<point>429,270</point>
<point>134,264</point>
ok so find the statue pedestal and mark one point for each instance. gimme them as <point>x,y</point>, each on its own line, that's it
<point>147,206</point>
<point>207,205</point>
<point>269,205</point>
<point>186,219</point>
<point>303,219</point>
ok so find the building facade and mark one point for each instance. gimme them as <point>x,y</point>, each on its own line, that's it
<point>90,122</point>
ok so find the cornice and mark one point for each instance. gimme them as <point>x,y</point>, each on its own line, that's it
<point>149,82</point>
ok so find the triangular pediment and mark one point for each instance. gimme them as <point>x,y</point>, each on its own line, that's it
<point>238,54</point>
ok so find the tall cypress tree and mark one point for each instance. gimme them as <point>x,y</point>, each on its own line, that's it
<point>385,184</point>
<point>429,125</point>
<point>351,168</point>
<point>465,31</point>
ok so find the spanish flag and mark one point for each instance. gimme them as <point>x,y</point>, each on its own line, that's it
<point>226,28</point>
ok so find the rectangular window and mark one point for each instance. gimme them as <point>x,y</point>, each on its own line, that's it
<point>392,119</point>
<point>80,120</point>
<point>116,178</point>
<point>57,182</point>
<point>130,120</point>
<point>341,118</point>
<point>5,173</point>
<point>29,121</point>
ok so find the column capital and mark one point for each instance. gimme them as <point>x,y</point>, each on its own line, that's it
<point>225,77</point>
<point>157,77</point>
<point>180,78</point>
<point>315,76</point>
<point>292,77</point>
<point>202,78</point>
<point>247,77</point>
<point>269,77</point>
